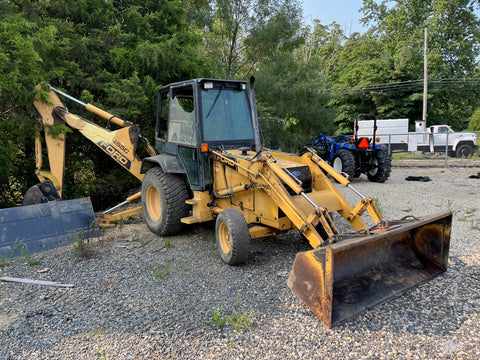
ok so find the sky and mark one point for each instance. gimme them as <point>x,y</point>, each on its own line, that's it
<point>344,12</point>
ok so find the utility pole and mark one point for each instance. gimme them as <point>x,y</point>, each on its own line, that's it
<point>425,77</point>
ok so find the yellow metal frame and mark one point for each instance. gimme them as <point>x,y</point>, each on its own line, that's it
<point>256,185</point>
<point>120,145</point>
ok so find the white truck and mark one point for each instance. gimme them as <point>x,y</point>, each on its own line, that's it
<point>395,134</point>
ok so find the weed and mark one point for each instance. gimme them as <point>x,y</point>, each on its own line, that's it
<point>168,243</point>
<point>136,237</point>
<point>407,210</point>
<point>184,268</point>
<point>98,331</point>
<point>235,319</point>
<point>163,270</point>
<point>399,156</point>
<point>378,205</point>
<point>218,318</point>
<point>449,204</point>
<point>470,211</point>
<point>81,245</point>
<point>101,354</point>
<point>5,261</point>
<point>121,223</point>
<point>26,255</point>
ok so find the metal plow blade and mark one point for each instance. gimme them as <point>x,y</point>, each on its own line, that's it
<point>45,226</point>
<point>357,272</point>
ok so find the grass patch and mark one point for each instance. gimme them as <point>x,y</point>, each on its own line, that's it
<point>164,270</point>
<point>23,248</point>
<point>234,319</point>
<point>470,211</point>
<point>400,156</point>
<point>82,246</point>
<point>376,201</point>
<point>26,255</point>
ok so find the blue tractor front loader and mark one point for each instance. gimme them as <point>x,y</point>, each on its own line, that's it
<point>355,155</point>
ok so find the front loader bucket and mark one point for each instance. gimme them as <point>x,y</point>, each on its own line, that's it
<point>45,226</point>
<point>359,271</point>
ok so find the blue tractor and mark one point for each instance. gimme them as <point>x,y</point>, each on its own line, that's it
<point>356,155</point>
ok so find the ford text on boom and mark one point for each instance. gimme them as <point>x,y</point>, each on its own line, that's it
<point>121,146</point>
<point>115,154</point>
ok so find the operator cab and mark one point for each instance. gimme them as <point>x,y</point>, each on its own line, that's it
<point>208,112</point>
<point>216,112</point>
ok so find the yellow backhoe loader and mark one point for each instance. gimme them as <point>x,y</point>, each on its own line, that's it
<point>209,165</point>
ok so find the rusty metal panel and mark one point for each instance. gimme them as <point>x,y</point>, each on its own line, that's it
<point>45,226</point>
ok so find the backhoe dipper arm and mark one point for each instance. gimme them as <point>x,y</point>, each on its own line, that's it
<point>120,145</point>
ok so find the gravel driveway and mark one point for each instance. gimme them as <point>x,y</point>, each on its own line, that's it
<point>145,297</point>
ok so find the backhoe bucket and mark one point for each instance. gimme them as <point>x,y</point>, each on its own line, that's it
<point>45,226</point>
<point>359,271</point>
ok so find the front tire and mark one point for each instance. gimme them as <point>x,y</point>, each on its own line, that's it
<point>464,150</point>
<point>163,201</point>
<point>232,237</point>
<point>383,167</point>
<point>344,162</point>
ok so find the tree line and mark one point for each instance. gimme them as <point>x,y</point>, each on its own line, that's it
<point>310,79</point>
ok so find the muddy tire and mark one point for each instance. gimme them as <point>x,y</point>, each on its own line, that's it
<point>232,237</point>
<point>464,150</point>
<point>344,162</point>
<point>381,172</point>
<point>163,201</point>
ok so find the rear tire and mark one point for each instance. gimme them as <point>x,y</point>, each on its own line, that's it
<point>383,162</point>
<point>344,162</point>
<point>163,201</point>
<point>464,150</point>
<point>232,237</point>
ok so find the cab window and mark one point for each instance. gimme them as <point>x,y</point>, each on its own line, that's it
<point>182,124</point>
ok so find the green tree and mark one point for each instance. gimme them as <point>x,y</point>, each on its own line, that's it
<point>244,34</point>
<point>474,123</point>
<point>293,108</point>
<point>453,45</point>
<point>114,54</point>
<point>391,53</point>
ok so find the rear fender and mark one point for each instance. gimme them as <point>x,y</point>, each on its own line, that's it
<point>167,162</point>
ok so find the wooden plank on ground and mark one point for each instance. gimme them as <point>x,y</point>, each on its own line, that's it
<point>34,282</point>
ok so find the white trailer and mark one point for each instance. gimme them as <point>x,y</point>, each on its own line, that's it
<point>395,134</point>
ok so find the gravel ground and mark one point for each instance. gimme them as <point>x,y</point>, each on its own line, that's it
<point>119,309</point>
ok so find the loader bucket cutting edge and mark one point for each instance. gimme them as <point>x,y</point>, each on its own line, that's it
<point>344,279</point>
<point>45,226</point>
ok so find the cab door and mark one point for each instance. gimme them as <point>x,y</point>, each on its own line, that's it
<point>181,137</point>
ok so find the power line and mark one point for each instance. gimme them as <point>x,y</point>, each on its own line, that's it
<point>410,85</point>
